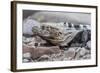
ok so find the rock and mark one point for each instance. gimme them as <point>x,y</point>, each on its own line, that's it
<point>82,51</point>
<point>77,57</point>
<point>31,44</point>
<point>88,45</point>
<point>28,40</point>
<point>44,58</point>
<point>77,50</point>
<point>69,54</point>
<point>66,59</point>
<point>39,51</point>
<point>26,48</point>
<point>27,55</point>
<point>28,24</point>
<point>26,60</point>
<point>33,41</point>
<point>56,57</point>
<point>88,56</point>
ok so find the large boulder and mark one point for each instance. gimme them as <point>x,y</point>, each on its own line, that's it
<point>28,24</point>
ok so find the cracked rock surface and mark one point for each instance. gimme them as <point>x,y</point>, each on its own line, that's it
<point>53,53</point>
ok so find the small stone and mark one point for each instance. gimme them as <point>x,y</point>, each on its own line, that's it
<point>88,56</point>
<point>26,55</point>
<point>65,59</point>
<point>70,53</point>
<point>77,57</point>
<point>88,45</point>
<point>82,51</point>
<point>26,60</point>
<point>44,58</point>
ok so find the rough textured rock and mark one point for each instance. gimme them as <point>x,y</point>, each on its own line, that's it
<point>26,49</point>
<point>88,45</point>
<point>28,24</point>
<point>27,55</point>
<point>52,53</point>
<point>44,58</point>
<point>88,56</point>
<point>39,51</point>
<point>70,53</point>
<point>26,60</point>
<point>82,51</point>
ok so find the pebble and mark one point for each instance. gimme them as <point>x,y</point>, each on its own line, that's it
<point>26,55</point>
<point>82,51</point>
<point>26,60</point>
<point>43,58</point>
<point>70,53</point>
